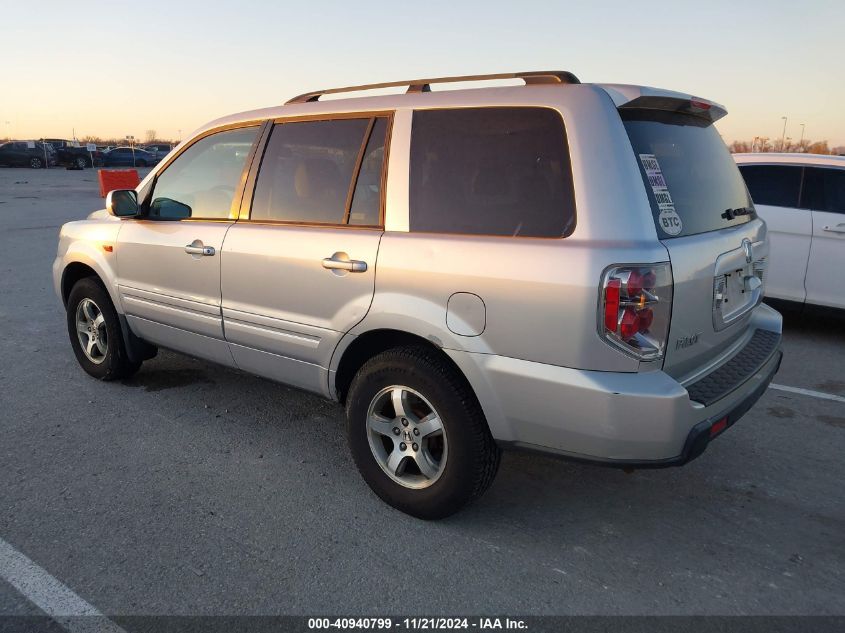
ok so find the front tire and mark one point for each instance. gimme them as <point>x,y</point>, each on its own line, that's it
<point>81,162</point>
<point>36,163</point>
<point>418,435</point>
<point>95,334</point>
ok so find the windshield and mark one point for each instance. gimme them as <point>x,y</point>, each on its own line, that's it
<point>693,184</point>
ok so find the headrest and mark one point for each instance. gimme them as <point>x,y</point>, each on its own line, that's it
<point>314,176</point>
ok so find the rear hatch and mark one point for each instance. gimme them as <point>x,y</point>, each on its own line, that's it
<point>705,218</point>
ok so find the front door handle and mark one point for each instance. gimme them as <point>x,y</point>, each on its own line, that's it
<point>839,228</point>
<point>197,248</point>
<point>340,261</point>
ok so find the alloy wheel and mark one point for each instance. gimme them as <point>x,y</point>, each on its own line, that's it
<point>91,331</point>
<point>407,437</point>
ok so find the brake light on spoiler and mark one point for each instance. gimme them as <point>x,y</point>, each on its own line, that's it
<point>635,308</point>
<point>693,106</point>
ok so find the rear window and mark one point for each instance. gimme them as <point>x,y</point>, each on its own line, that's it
<point>491,171</point>
<point>773,185</point>
<point>693,184</point>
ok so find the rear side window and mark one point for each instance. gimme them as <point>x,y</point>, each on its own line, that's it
<point>824,189</point>
<point>692,181</point>
<point>491,171</point>
<point>310,172</point>
<point>773,185</point>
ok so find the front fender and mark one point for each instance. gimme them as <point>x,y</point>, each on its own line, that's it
<point>91,243</point>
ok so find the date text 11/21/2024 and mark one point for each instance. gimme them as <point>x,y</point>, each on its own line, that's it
<point>417,624</point>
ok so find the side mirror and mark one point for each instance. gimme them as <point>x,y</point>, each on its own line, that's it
<point>122,203</point>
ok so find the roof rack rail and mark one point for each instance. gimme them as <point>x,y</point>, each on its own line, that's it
<point>424,85</point>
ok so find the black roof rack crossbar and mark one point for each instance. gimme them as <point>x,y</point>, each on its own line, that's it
<point>424,85</point>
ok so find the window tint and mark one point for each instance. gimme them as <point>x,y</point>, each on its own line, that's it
<point>202,181</point>
<point>775,185</point>
<point>491,171</point>
<point>307,170</point>
<point>824,189</point>
<point>366,201</point>
<point>689,175</point>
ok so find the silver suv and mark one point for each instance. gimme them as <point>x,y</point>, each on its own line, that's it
<point>570,268</point>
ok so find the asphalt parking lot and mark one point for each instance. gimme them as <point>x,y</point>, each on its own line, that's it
<point>193,489</point>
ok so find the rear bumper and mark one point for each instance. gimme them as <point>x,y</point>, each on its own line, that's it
<point>703,432</point>
<point>699,436</point>
<point>643,420</point>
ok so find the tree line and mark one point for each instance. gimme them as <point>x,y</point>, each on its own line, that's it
<point>765,144</point>
<point>150,137</point>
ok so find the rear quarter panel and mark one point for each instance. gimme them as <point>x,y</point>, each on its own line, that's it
<point>541,295</point>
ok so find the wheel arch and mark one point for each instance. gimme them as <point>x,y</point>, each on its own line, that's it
<point>73,273</point>
<point>354,351</point>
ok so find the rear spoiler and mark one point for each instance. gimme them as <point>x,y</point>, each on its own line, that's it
<point>693,106</point>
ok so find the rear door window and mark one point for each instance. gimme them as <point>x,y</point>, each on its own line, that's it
<point>692,181</point>
<point>322,172</point>
<point>824,189</point>
<point>491,171</point>
<point>366,199</point>
<point>773,185</point>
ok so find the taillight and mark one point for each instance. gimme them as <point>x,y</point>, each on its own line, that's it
<point>636,304</point>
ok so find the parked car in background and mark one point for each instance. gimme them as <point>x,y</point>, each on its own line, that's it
<point>802,199</point>
<point>72,153</point>
<point>129,157</point>
<point>159,150</point>
<point>547,267</point>
<point>26,154</point>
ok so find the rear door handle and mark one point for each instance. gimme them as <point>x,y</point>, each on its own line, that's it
<point>341,261</point>
<point>839,228</point>
<point>196,248</point>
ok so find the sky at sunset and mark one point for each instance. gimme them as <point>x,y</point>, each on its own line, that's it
<point>118,68</point>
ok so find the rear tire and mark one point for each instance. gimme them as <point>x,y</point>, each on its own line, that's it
<point>450,457</point>
<point>95,334</point>
<point>81,162</point>
<point>36,163</point>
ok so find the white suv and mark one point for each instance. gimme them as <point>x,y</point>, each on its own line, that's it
<point>802,199</point>
<point>562,267</point>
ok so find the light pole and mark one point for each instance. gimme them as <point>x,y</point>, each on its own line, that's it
<point>801,142</point>
<point>8,136</point>
<point>783,136</point>
<point>131,140</point>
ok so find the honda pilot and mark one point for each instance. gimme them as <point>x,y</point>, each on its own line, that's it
<point>562,267</point>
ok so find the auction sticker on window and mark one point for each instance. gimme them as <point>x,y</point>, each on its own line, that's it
<point>667,218</point>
